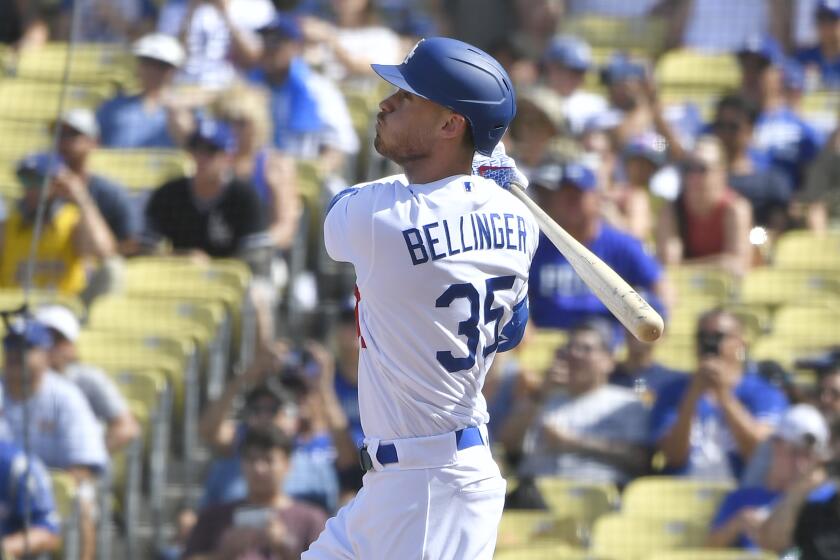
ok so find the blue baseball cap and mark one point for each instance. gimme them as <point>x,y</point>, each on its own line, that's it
<point>41,165</point>
<point>765,47</point>
<point>283,26</point>
<point>570,52</point>
<point>828,7</point>
<point>579,176</point>
<point>620,68</point>
<point>28,333</point>
<point>216,133</point>
<point>651,147</point>
<point>794,75</point>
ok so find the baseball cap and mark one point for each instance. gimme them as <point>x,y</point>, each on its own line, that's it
<point>650,146</point>
<point>570,52</point>
<point>27,333</point>
<point>215,133</point>
<point>160,47</point>
<point>803,425</point>
<point>579,176</point>
<point>793,75</point>
<point>828,7</point>
<point>61,319</point>
<point>41,165</point>
<point>80,120</point>
<point>547,102</point>
<point>283,26</point>
<point>763,46</point>
<point>620,69</point>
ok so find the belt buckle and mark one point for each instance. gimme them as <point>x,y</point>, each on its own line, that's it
<point>365,460</point>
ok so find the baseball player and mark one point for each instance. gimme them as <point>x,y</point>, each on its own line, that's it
<point>441,258</point>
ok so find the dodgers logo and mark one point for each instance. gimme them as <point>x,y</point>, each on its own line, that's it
<point>411,52</point>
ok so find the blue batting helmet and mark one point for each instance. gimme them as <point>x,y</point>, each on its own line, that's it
<point>462,78</point>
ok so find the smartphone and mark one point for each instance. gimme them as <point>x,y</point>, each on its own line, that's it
<point>253,517</point>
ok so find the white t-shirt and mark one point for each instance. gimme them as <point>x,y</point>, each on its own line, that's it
<point>63,431</point>
<point>439,268</point>
<point>612,8</point>
<point>609,413</point>
<point>580,107</point>
<point>377,44</point>
<point>724,25</point>
<point>208,41</point>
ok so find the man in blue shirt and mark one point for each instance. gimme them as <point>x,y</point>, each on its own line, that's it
<point>799,443</point>
<point>710,423</point>
<point>641,372</point>
<point>142,120</point>
<point>789,142</point>
<point>824,57</point>
<point>559,299</point>
<point>25,484</point>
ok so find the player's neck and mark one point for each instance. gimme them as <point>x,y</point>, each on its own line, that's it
<point>431,169</point>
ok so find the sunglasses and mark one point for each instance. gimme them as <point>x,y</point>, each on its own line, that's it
<point>690,167</point>
<point>727,126</point>
<point>203,147</point>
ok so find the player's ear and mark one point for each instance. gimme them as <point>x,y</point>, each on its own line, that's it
<point>454,125</point>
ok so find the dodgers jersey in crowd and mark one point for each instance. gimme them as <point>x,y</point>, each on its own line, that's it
<point>442,277</point>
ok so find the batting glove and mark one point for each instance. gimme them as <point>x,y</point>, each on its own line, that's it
<point>499,167</point>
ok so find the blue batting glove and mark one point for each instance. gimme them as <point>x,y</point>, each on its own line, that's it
<point>499,167</point>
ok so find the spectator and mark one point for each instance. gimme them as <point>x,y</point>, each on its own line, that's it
<point>590,430</point>
<point>708,223</point>
<point>719,25</point>
<point>267,523</point>
<point>635,204</point>
<point>810,525</point>
<point>709,424</point>
<point>24,23</point>
<point>829,394</point>
<point>823,59</point>
<point>30,523</point>
<point>74,229</point>
<point>309,115</point>
<point>272,173</point>
<point>566,61</point>
<point>799,443</point>
<point>107,21</point>
<point>289,407</point>
<point>559,298</point>
<point>819,202</point>
<point>785,139</point>
<point>142,120</point>
<point>63,431</point>
<point>641,372</point>
<point>78,137</point>
<point>750,175</point>
<point>611,8</point>
<point>102,394</point>
<point>219,37</point>
<point>354,41</point>
<point>535,130</point>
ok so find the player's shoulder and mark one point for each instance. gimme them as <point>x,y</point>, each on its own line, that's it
<point>368,192</point>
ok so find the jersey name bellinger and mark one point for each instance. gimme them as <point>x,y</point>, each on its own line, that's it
<point>471,232</point>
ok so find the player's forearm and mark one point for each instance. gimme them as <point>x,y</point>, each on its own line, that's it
<point>747,431</point>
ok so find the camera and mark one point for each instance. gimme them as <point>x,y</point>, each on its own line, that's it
<point>708,344</point>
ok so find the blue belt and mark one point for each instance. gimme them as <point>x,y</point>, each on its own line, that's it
<point>387,453</point>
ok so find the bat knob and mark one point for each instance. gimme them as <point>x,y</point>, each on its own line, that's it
<point>650,328</point>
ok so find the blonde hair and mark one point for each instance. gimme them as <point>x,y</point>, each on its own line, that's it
<point>250,103</point>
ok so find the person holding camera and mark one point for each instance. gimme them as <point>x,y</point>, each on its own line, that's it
<point>709,424</point>
<point>267,523</point>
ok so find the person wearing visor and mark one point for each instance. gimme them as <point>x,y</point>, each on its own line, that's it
<point>709,424</point>
<point>74,229</point>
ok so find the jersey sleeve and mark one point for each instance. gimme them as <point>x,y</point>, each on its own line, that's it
<point>348,227</point>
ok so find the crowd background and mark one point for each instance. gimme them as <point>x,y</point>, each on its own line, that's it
<point>184,384</point>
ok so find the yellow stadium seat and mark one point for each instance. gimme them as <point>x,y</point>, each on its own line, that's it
<point>39,101</point>
<point>90,62</point>
<point>673,498</point>
<point>230,272</point>
<point>709,72</point>
<point>576,504</point>
<point>820,101</point>
<point>19,138</point>
<point>774,286</point>
<point>815,325</point>
<point>640,34</point>
<point>711,554</point>
<point>676,350</point>
<point>691,282</point>
<point>524,527</point>
<point>625,537</point>
<point>67,507</point>
<point>808,250</point>
<point>14,298</point>
<point>141,169</point>
<point>537,351</point>
<point>543,552</point>
<point>786,350</point>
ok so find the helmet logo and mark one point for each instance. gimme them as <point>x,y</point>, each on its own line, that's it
<point>411,53</point>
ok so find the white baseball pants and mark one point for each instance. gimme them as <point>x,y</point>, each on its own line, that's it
<point>414,510</point>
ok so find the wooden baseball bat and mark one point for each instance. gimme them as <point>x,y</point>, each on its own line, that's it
<point>628,306</point>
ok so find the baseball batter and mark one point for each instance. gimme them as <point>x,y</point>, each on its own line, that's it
<point>441,258</point>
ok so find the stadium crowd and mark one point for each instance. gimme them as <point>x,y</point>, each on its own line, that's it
<point>674,138</point>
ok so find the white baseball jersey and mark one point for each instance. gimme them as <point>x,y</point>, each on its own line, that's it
<point>440,268</point>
